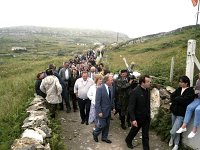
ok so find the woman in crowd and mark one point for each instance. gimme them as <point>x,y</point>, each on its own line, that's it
<point>92,94</point>
<point>52,87</point>
<point>192,107</point>
<point>38,82</point>
<point>180,99</point>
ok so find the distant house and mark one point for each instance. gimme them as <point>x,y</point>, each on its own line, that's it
<point>81,44</point>
<point>97,43</point>
<point>19,49</point>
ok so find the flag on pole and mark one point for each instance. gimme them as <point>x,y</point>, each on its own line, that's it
<point>195,2</point>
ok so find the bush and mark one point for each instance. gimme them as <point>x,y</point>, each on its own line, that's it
<point>162,124</point>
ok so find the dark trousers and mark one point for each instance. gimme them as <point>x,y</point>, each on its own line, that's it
<point>65,98</point>
<point>84,106</point>
<point>144,124</point>
<point>123,117</point>
<point>52,109</point>
<point>103,125</point>
<point>74,101</point>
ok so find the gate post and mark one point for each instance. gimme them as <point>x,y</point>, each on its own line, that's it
<point>190,60</point>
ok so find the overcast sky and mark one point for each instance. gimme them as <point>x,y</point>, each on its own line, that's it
<point>132,17</point>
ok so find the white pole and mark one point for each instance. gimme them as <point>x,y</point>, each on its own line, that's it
<point>172,70</point>
<point>190,60</point>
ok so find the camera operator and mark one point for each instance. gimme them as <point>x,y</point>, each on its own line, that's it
<point>123,87</point>
<point>134,82</point>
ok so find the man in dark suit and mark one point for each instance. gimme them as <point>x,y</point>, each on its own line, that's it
<point>139,110</point>
<point>92,72</point>
<point>65,74</point>
<point>103,106</point>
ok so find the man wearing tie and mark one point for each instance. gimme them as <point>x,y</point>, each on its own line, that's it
<point>92,72</point>
<point>103,106</point>
<point>65,74</point>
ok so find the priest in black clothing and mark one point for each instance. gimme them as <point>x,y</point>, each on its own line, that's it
<point>139,110</point>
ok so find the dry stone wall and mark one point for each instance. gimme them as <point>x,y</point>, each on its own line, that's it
<point>35,127</point>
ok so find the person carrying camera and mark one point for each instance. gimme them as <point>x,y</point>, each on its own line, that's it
<point>123,84</point>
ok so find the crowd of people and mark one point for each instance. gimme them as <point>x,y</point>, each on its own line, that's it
<point>91,89</point>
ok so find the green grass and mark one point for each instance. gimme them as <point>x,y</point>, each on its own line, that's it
<point>55,141</point>
<point>17,77</point>
<point>154,55</point>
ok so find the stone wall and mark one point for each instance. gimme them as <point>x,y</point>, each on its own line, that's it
<point>164,94</point>
<point>193,143</point>
<point>35,128</point>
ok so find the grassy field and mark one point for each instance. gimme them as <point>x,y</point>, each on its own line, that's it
<point>17,75</point>
<point>17,79</point>
<point>154,55</point>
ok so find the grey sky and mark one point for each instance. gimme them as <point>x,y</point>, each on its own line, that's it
<point>134,18</point>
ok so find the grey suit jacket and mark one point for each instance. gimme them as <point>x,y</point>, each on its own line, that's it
<point>62,73</point>
<point>103,103</point>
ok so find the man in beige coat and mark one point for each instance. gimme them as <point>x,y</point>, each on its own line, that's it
<point>53,89</point>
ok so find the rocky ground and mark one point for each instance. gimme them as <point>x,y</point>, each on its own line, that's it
<point>78,136</point>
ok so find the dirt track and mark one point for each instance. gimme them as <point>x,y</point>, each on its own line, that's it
<point>79,136</point>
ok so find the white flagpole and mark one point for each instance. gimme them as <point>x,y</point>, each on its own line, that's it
<point>197,14</point>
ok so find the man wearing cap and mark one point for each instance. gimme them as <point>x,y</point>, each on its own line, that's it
<point>123,84</point>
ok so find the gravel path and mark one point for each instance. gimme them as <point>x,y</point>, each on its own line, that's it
<point>78,136</point>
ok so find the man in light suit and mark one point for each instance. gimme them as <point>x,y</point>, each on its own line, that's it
<point>103,106</point>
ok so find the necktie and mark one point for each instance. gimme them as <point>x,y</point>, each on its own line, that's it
<point>109,92</point>
<point>66,74</point>
<point>92,76</point>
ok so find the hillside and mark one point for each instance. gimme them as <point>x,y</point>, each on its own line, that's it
<point>45,38</point>
<point>152,54</point>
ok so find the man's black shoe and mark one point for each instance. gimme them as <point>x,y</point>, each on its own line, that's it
<point>68,110</point>
<point>95,138</point>
<point>129,145</point>
<point>61,108</point>
<point>82,122</point>
<point>86,123</point>
<point>107,141</point>
<point>123,126</point>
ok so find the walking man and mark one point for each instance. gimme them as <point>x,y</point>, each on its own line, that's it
<point>65,74</point>
<point>139,110</point>
<point>81,88</point>
<point>123,85</point>
<point>103,106</point>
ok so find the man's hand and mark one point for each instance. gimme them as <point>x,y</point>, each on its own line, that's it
<point>100,115</point>
<point>131,81</point>
<point>134,123</point>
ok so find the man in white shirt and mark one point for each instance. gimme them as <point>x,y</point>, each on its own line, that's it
<point>81,88</point>
<point>92,72</point>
